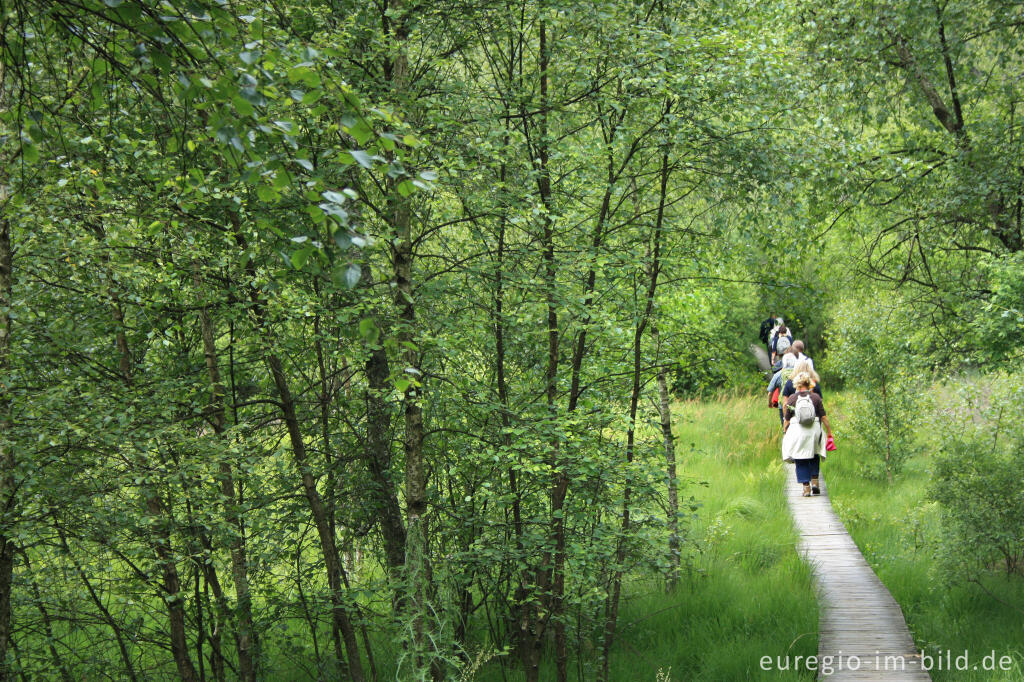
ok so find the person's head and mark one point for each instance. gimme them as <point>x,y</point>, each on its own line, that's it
<point>804,367</point>
<point>788,360</point>
<point>802,381</point>
<point>798,346</point>
<point>782,329</point>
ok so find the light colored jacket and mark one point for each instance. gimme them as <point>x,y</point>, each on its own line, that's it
<point>803,442</point>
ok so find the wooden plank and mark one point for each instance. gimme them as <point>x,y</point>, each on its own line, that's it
<point>860,624</point>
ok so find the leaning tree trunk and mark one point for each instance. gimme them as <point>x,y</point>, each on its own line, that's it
<point>340,617</point>
<point>378,462</point>
<point>332,560</point>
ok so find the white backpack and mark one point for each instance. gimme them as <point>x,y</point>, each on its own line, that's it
<point>803,410</point>
<point>782,345</point>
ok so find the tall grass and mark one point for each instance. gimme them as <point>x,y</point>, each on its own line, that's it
<point>897,529</point>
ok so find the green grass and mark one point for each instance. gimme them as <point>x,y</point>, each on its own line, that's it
<point>898,531</point>
<point>747,594</point>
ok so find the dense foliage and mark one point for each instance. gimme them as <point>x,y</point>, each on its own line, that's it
<point>329,331</point>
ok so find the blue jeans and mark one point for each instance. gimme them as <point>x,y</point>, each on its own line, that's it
<point>806,469</point>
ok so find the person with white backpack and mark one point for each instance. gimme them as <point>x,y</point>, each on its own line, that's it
<point>786,386</point>
<point>806,426</point>
<point>781,343</point>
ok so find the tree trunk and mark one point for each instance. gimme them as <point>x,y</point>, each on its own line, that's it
<point>172,589</point>
<point>328,388</point>
<point>245,643</point>
<point>332,561</point>
<point>534,619</point>
<point>665,412</point>
<point>417,559</point>
<point>161,545</point>
<point>888,430</point>
<point>340,620</point>
<point>55,658</point>
<point>378,461</point>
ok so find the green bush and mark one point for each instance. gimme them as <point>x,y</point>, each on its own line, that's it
<point>977,481</point>
<point>982,508</point>
<point>874,351</point>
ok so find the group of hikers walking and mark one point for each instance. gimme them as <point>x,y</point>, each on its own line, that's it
<point>795,389</point>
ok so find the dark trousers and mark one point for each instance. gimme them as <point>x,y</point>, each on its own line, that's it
<point>806,469</point>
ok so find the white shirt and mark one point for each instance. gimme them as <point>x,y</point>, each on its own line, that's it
<point>803,358</point>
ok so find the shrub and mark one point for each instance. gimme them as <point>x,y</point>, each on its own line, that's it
<point>874,352</point>
<point>977,481</point>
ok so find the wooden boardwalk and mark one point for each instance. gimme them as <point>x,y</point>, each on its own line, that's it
<point>860,626</point>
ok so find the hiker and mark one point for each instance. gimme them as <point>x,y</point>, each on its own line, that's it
<point>766,332</point>
<point>783,340</point>
<point>804,442</point>
<point>798,345</point>
<point>775,330</point>
<point>786,387</point>
<point>786,366</point>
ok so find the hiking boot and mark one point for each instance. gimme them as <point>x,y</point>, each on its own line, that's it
<point>814,487</point>
<point>807,490</point>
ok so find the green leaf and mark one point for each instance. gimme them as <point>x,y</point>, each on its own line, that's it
<point>242,106</point>
<point>368,330</point>
<point>300,257</point>
<point>281,180</point>
<point>361,132</point>
<point>305,75</point>
<point>266,193</point>
<point>29,153</point>
<point>335,211</point>
<point>362,158</point>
